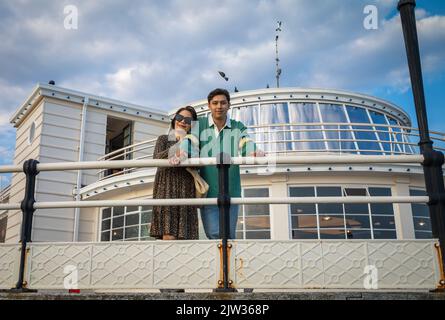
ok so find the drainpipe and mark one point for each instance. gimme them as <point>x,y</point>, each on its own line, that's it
<point>79,172</point>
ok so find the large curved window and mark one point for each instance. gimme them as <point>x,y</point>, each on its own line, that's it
<point>382,132</point>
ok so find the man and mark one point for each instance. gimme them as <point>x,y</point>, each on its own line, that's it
<point>218,133</point>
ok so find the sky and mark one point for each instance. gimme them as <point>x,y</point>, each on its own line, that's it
<point>165,54</point>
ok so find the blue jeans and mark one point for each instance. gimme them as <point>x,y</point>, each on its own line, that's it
<point>210,221</point>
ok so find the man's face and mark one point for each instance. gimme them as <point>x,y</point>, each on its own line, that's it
<point>219,106</point>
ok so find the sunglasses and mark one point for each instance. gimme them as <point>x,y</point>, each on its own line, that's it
<point>187,120</point>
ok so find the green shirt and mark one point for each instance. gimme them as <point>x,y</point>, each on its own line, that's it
<point>232,139</point>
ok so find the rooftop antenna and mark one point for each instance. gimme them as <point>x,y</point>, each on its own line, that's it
<point>277,60</point>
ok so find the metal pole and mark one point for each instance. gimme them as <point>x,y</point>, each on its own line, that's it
<point>223,164</point>
<point>27,206</point>
<point>432,165</point>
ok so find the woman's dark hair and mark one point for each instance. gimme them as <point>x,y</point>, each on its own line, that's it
<point>218,92</point>
<point>189,109</point>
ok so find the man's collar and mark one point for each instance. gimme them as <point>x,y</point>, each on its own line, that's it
<point>212,123</point>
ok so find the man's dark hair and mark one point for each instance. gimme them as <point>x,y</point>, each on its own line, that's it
<point>217,92</point>
<point>189,109</point>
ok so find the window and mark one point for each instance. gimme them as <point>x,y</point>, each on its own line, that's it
<point>340,221</point>
<point>306,113</point>
<point>254,220</point>
<point>421,216</point>
<point>126,223</point>
<point>3,225</point>
<point>276,113</point>
<point>363,134</point>
<point>333,113</point>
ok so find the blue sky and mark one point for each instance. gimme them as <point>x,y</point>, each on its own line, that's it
<point>164,54</point>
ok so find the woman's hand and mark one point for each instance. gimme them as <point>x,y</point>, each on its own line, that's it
<point>177,158</point>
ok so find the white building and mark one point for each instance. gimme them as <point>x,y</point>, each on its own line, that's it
<point>55,124</point>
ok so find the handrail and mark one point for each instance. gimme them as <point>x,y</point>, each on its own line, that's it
<point>399,140</point>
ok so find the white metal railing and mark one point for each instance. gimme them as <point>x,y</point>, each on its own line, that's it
<point>200,264</point>
<point>291,138</point>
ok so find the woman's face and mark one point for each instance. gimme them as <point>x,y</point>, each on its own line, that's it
<point>185,123</point>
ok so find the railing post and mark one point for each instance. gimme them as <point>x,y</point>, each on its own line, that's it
<point>432,165</point>
<point>27,206</point>
<point>223,163</point>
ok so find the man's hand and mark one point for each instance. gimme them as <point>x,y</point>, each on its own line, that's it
<point>258,153</point>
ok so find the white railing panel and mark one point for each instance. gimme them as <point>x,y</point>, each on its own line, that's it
<point>126,265</point>
<point>9,265</point>
<point>334,264</point>
<point>186,264</point>
<point>405,264</point>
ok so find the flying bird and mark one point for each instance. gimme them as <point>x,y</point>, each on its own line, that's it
<point>222,74</point>
<point>279,26</point>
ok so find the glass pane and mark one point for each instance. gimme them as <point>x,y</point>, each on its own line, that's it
<point>132,208</point>
<point>383,222</point>
<point>423,235</point>
<point>355,192</point>
<point>382,208</point>
<point>331,221</point>
<point>118,222</point>
<point>132,232</point>
<point>329,191</point>
<point>271,114</point>
<point>256,223</point>
<point>359,115</point>
<point>105,236</point>
<point>332,234</point>
<point>146,217</point>
<point>379,118</point>
<point>132,219</point>
<point>106,213</point>
<point>117,211</point>
<point>395,136</point>
<point>354,221</point>
<point>420,210</point>
<point>247,115</point>
<point>422,224</point>
<point>106,224</point>
<point>146,208</point>
<point>379,192</point>
<point>334,113</point>
<point>306,113</point>
<point>145,230</point>
<point>304,208</point>
<point>117,234</point>
<point>384,234</point>
<point>257,192</point>
<point>356,208</point>
<point>358,234</point>
<point>304,221</point>
<point>330,208</point>
<point>239,235</point>
<point>256,209</point>
<point>301,192</point>
<point>258,235</point>
<point>305,234</point>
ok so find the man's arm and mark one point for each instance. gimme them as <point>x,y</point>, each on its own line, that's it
<point>247,146</point>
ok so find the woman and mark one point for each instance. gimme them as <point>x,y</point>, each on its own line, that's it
<point>174,222</point>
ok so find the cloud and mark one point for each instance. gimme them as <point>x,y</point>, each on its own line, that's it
<point>164,54</point>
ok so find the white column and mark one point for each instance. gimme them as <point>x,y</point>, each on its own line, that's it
<point>279,213</point>
<point>403,215</point>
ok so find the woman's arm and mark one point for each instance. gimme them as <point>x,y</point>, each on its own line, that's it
<point>161,150</point>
